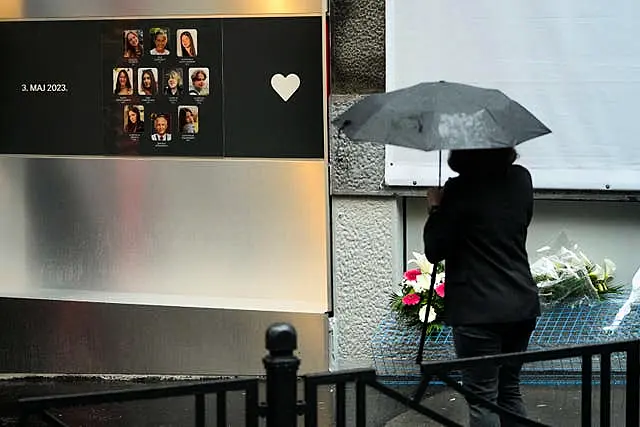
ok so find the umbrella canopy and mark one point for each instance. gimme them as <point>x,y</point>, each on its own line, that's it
<point>441,116</point>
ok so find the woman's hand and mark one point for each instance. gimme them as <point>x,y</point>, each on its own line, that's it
<point>434,195</point>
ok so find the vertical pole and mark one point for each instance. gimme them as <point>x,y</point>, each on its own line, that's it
<point>341,404</point>
<point>200,411</point>
<point>425,325</point>
<point>633,385</point>
<point>361,403</point>
<point>605,389</point>
<point>587,389</point>
<point>282,374</point>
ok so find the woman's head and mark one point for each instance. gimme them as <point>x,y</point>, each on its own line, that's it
<point>481,161</point>
<point>186,116</point>
<point>186,39</point>
<point>123,83</point>
<point>186,44</point>
<point>123,79</point>
<point>132,39</point>
<point>133,114</point>
<point>148,82</point>
<point>160,40</point>
<point>147,79</point>
<point>132,45</point>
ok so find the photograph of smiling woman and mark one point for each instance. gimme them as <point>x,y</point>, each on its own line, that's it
<point>134,118</point>
<point>187,41</point>
<point>160,39</point>
<point>148,82</point>
<point>132,44</point>
<point>122,81</point>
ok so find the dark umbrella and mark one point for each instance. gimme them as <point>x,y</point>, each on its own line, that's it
<point>439,116</point>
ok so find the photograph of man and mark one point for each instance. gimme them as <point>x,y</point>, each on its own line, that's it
<point>133,44</point>
<point>122,78</point>
<point>160,37</point>
<point>161,128</point>
<point>134,118</point>
<point>188,119</point>
<point>148,81</point>
<point>199,81</point>
<point>173,82</point>
<point>187,42</point>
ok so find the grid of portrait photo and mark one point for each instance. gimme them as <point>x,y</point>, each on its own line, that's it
<point>160,85</point>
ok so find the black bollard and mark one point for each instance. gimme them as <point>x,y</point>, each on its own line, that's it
<point>282,375</point>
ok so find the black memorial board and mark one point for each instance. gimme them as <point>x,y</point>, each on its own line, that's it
<point>246,87</point>
<point>256,50</point>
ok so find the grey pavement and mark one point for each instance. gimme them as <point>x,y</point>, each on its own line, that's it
<point>552,405</point>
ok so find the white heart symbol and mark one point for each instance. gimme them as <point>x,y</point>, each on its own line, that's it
<point>285,86</point>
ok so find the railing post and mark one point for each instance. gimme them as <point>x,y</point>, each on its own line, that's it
<point>282,375</point>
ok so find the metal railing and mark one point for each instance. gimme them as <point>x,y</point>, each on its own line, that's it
<point>587,352</point>
<point>42,406</point>
<point>283,409</point>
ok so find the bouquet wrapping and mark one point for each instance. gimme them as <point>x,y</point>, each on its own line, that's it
<point>565,275</point>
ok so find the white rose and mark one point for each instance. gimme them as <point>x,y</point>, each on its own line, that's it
<point>423,311</point>
<point>422,283</point>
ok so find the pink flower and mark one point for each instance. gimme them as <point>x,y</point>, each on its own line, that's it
<point>411,299</point>
<point>412,275</point>
<point>440,289</point>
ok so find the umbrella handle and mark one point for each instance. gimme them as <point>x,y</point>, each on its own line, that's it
<point>423,334</point>
<point>439,169</point>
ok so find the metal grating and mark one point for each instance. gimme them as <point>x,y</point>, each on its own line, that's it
<point>394,347</point>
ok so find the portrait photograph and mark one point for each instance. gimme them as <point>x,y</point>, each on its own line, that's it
<point>159,38</point>
<point>133,47</point>
<point>133,119</point>
<point>187,43</point>
<point>188,119</point>
<point>173,82</point>
<point>161,127</point>
<point>123,81</point>
<point>148,81</point>
<point>198,81</point>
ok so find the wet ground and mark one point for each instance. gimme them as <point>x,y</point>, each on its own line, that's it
<point>553,405</point>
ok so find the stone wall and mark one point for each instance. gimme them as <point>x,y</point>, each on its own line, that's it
<point>366,220</point>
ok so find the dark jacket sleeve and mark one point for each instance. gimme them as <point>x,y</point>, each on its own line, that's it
<point>442,230</point>
<point>529,189</point>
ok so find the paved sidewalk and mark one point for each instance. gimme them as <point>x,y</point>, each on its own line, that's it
<point>555,406</point>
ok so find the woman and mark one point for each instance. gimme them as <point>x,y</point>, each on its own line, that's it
<point>478,225</point>
<point>187,121</point>
<point>160,41</point>
<point>123,84</point>
<point>148,85</point>
<point>132,45</point>
<point>187,49</point>
<point>134,122</point>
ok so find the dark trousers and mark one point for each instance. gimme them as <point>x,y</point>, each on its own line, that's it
<point>498,384</point>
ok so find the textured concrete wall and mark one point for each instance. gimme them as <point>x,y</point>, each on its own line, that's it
<point>358,45</point>
<point>356,168</point>
<point>366,222</point>
<point>367,241</point>
<point>367,249</point>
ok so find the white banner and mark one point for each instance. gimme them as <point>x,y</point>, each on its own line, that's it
<point>575,64</point>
